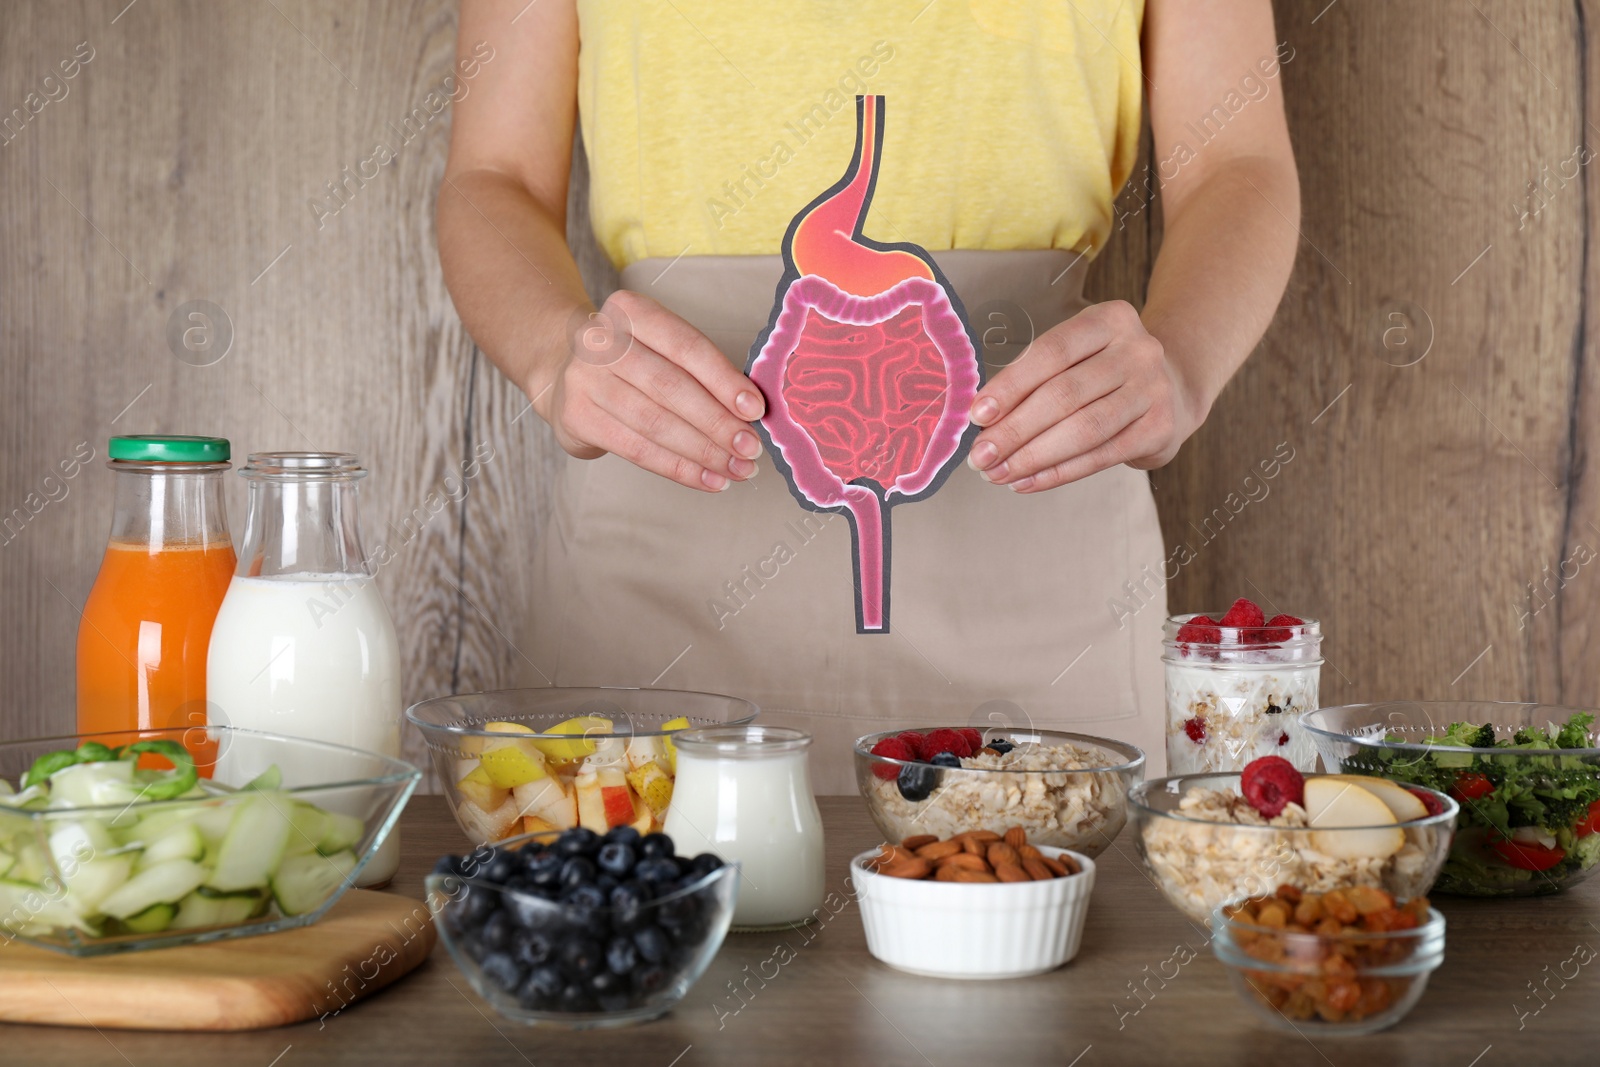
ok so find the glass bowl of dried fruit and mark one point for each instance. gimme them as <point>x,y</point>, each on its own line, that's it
<point>1065,790</point>
<point>1347,962</point>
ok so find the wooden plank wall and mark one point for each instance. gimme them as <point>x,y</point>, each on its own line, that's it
<point>1431,368</point>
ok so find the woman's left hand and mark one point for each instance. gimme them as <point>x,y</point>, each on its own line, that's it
<point>1093,392</point>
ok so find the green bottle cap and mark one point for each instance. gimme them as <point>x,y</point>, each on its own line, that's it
<point>169,448</point>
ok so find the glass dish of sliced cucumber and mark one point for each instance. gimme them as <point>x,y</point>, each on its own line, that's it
<point>113,843</point>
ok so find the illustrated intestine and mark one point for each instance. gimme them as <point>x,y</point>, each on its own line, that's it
<point>868,366</point>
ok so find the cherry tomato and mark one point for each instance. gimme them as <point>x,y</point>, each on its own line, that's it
<point>1471,786</point>
<point>1590,823</point>
<point>1527,856</point>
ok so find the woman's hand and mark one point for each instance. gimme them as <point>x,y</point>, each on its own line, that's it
<point>1093,392</point>
<point>642,383</point>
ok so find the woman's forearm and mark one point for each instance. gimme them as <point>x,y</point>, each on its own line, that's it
<point>511,275</point>
<point>1226,251</point>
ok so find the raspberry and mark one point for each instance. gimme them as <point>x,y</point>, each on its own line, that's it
<point>891,748</point>
<point>913,741</point>
<point>945,740</point>
<point>1429,801</point>
<point>1277,630</point>
<point>974,740</point>
<point>1196,729</point>
<point>1200,630</point>
<point>1270,783</point>
<point>1283,739</point>
<point>1244,613</point>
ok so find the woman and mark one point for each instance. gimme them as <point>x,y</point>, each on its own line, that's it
<point>1010,126</point>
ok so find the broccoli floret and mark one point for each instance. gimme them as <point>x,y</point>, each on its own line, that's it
<point>1481,737</point>
<point>1530,737</point>
<point>1560,812</point>
<point>1575,734</point>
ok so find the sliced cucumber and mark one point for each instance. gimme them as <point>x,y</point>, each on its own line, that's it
<point>254,844</point>
<point>77,841</point>
<point>32,863</point>
<point>7,861</point>
<point>180,843</point>
<point>303,883</point>
<point>206,907</point>
<point>87,785</point>
<point>165,883</point>
<point>344,832</point>
<point>267,781</point>
<point>312,826</point>
<point>213,821</point>
<point>92,882</point>
<point>157,824</point>
<point>152,920</point>
<point>28,909</point>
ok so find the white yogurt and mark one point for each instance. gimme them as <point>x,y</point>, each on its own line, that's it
<point>313,656</point>
<point>744,793</point>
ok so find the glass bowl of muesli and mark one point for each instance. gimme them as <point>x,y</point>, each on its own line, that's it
<point>1066,790</point>
<point>1206,845</point>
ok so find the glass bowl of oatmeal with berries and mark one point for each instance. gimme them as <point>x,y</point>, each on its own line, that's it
<point>1209,839</point>
<point>1237,686</point>
<point>1344,962</point>
<point>1065,790</point>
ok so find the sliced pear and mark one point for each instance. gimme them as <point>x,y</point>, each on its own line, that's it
<point>1333,804</point>
<point>680,723</point>
<point>643,750</point>
<point>549,801</point>
<point>476,746</point>
<point>512,765</point>
<point>1401,802</point>
<point>483,827</point>
<point>654,784</point>
<point>572,751</point>
<point>477,788</point>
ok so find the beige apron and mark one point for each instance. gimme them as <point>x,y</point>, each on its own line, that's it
<point>1005,607</point>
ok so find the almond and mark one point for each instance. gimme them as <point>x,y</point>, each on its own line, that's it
<point>1036,869</point>
<point>946,873</point>
<point>1059,867</point>
<point>963,859</point>
<point>1001,853</point>
<point>982,835</point>
<point>1016,837</point>
<point>973,846</point>
<point>961,874</point>
<point>939,849</point>
<point>1028,852</point>
<point>914,867</point>
<point>913,843</point>
<point>1010,872</point>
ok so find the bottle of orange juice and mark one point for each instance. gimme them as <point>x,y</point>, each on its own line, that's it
<point>146,628</point>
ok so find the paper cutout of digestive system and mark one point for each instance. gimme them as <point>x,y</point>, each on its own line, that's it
<point>869,368</point>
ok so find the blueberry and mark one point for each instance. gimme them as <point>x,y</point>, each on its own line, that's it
<point>576,998</point>
<point>547,981</point>
<point>616,859</point>
<point>654,845</point>
<point>576,871</point>
<point>497,867</point>
<point>503,971</point>
<point>657,871</point>
<point>607,882</point>
<point>582,957</point>
<point>544,870</point>
<point>1001,745</point>
<point>532,949</point>
<point>532,855</point>
<point>447,865</point>
<point>585,895</point>
<point>622,955</point>
<point>578,841</point>
<point>651,978</point>
<point>704,864</point>
<point>946,759</point>
<point>917,780</point>
<point>627,906</point>
<point>622,835</point>
<point>611,991</point>
<point>497,931</point>
<point>474,906</point>
<point>652,943</point>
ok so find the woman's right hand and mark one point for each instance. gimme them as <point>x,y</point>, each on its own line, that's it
<point>640,382</point>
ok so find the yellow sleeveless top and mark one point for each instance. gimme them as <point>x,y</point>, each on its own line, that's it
<point>1008,124</point>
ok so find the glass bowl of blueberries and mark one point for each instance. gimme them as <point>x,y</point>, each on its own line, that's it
<point>582,930</point>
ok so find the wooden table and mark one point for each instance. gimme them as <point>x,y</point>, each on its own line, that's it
<point>832,1004</point>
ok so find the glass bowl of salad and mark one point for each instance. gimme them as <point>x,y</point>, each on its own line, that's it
<point>1527,777</point>
<point>154,838</point>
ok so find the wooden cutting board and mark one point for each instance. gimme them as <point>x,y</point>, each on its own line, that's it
<point>365,942</point>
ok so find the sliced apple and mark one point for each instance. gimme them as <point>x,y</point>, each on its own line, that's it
<point>549,801</point>
<point>572,751</point>
<point>1401,802</point>
<point>654,785</point>
<point>671,725</point>
<point>604,799</point>
<point>532,824</point>
<point>484,826</point>
<point>1334,804</point>
<point>477,788</point>
<point>644,819</point>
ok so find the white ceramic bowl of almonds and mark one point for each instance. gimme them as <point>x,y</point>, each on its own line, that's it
<point>973,930</point>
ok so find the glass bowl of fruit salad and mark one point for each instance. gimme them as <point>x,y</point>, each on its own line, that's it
<point>1345,962</point>
<point>1527,777</point>
<point>154,838</point>
<point>1065,790</point>
<point>532,760</point>
<point>580,930</point>
<point>1210,839</point>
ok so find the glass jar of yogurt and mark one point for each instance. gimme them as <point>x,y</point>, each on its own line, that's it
<point>1238,694</point>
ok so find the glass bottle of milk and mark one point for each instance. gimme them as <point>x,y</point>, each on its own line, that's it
<point>302,644</point>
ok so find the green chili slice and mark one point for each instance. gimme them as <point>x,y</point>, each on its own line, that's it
<point>94,752</point>
<point>48,764</point>
<point>175,782</point>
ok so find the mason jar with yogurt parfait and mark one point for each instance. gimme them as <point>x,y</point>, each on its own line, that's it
<point>1236,693</point>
